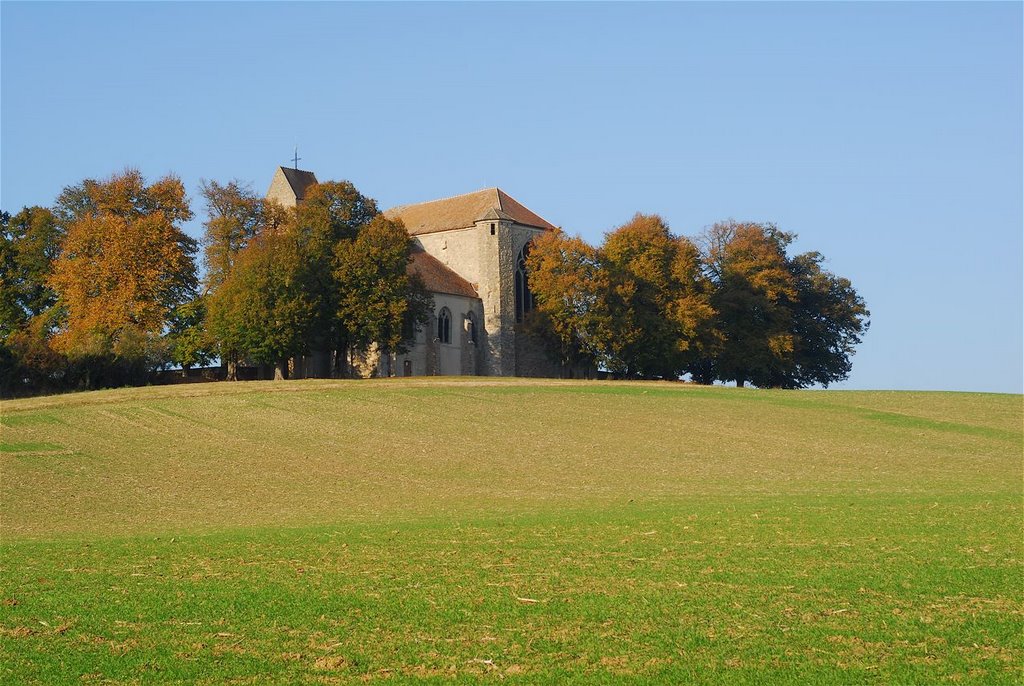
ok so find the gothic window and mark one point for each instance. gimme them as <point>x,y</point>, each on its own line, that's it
<point>524,298</point>
<point>471,328</point>
<point>444,325</point>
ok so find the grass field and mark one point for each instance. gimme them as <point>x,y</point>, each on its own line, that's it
<point>527,532</point>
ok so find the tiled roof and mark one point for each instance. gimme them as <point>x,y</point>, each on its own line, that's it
<point>462,211</point>
<point>299,180</point>
<point>438,278</point>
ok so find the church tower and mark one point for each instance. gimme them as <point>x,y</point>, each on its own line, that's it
<point>288,187</point>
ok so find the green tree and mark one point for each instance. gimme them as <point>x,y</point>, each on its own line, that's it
<point>235,216</point>
<point>262,309</point>
<point>29,243</point>
<point>829,319</point>
<point>331,212</point>
<point>279,296</point>
<point>189,342</point>
<point>377,298</point>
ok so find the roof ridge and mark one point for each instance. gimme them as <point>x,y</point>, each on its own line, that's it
<point>450,197</point>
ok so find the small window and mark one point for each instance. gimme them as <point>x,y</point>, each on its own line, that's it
<point>492,228</point>
<point>444,326</point>
<point>471,328</point>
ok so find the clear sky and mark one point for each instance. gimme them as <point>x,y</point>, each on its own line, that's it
<point>888,136</point>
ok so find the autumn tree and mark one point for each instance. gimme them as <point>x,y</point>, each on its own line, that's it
<point>659,300</point>
<point>753,290</point>
<point>690,309</point>
<point>235,214</point>
<point>124,265</point>
<point>570,291</point>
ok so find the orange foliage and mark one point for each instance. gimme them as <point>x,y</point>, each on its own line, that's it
<point>124,264</point>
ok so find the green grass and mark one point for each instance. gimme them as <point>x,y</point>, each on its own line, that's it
<point>327,532</point>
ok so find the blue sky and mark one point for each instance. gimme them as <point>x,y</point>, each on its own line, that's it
<point>888,136</point>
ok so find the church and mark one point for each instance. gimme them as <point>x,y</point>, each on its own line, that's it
<point>470,252</point>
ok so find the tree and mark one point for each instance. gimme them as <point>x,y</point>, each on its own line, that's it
<point>234,216</point>
<point>828,320</point>
<point>570,295</point>
<point>332,211</point>
<point>29,242</point>
<point>279,296</point>
<point>124,265</point>
<point>190,343</point>
<point>785,322</point>
<point>658,300</point>
<point>377,299</point>
<point>753,289</point>
<point>690,309</point>
<point>262,309</point>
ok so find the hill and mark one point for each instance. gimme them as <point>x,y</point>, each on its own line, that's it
<point>534,530</point>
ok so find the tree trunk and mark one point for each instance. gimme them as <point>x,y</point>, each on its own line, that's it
<point>231,373</point>
<point>281,370</point>
<point>740,383</point>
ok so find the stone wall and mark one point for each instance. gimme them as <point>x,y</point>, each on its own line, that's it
<point>485,255</point>
<point>533,360</point>
<point>281,191</point>
<point>430,357</point>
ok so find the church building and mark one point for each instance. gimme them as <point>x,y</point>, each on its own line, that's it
<point>470,252</point>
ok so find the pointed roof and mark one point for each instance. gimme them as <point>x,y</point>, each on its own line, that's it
<point>462,211</point>
<point>299,180</point>
<point>289,186</point>
<point>436,277</point>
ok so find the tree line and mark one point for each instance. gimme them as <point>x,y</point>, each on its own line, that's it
<point>730,306</point>
<point>103,288</point>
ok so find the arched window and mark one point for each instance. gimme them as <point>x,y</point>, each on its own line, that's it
<point>444,325</point>
<point>524,298</point>
<point>471,328</point>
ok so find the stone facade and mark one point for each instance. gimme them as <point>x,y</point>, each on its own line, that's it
<point>484,250</point>
<point>432,356</point>
<point>488,261</point>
